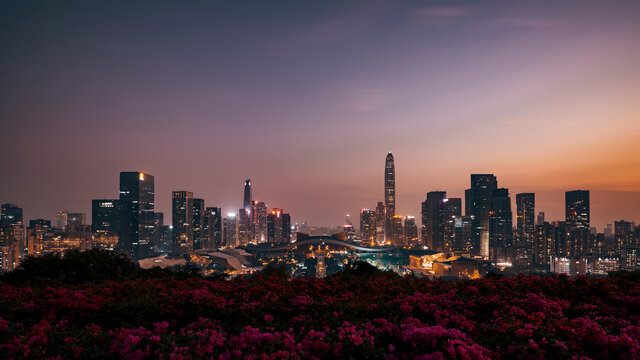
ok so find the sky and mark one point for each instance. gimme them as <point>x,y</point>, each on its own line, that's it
<point>306,98</point>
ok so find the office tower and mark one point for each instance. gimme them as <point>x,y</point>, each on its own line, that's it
<point>182,220</point>
<point>478,200</point>
<point>433,215</point>
<point>462,235</point>
<point>137,199</point>
<point>389,195</point>
<point>78,237</point>
<point>545,243</point>
<point>368,227</point>
<point>8,246</point>
<point>247,196</point>
<point>259,224</point>
<point>501,227</point>
<point>397,231</point>
<point>278,226</point>
<point>105,216</point>
<point>77,219</point>
<point>229,225</point>
<point>452,209</point>
<point>243,227</point>
<point>577,209</point>
<point>525,217</point>
<point>411,231</point>
<point>540,220</point>
<point>11,213</point>
<point>349,232</point>
<point>35,235</point>
<point>212,228</point>
<point>624,235</point>
<point>62,218</point>
<point>380,223</point>
<point>197,222</point>
<point>286,227</point>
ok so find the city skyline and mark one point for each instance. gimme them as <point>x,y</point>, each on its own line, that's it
<point>303,100</point>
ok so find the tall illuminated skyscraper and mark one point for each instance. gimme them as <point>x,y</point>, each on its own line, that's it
<point>389,195</point>
<point>525,218</point>
<point>182,220</point>
<point>478,203</point>
<point>577,208</point>
<point>198,223</point>
<point>137,225</point>
<point>247,196</point>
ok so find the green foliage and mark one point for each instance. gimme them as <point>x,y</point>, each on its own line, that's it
<point>74,267</point>
<point>275,271</point>
<point>364,269</point>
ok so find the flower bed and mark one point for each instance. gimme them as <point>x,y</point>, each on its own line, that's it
<point>379,316</point>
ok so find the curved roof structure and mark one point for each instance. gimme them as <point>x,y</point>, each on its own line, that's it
<point>319,240</point>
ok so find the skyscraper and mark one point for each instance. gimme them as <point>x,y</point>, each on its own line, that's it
<point>500,227</point>
<point>368,227</point>
<point>197,223</point>
<point>137,225</point>
<point>411,231</point>
<point>380,223</point>
<point>389,195</point>
<point>247,196</point>
<point>212,228</point>
<point>229,225</point>
<point>525,219</point>
<point>259,217</point>
<point>577,209</point>
<point>278,226</point>
<point>105,215</point>
<point>243,227</point>
<point>77,219</point>
<point>478,201</point>
<point>433,220</point>
<point>437,220</point>
<point>182,219</point>
<point>62,218</point>
<point>11,213</point>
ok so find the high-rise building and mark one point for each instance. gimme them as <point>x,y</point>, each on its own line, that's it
<point>213,228</point>
<point>247,196</point>
<point>229,225</point>
<point>62,219</point>
<point>577,209</point>
<point>397,231</point>
<point>411,231</point>
<point>105,215</point>
<point>501,227</point>
<point>243,227</point>
<point>259,224</point>
<point>349,232</point>
<point>380,223</point>
<point>368,227</point>
<point>36,234</point>
<point>137,225</point>
<point>278,226</point>
<point>478,201</point>
<point>77,219</point>
<point>540,219</point>
<point>389,195</point>
<point>11,213</point>
<point>462,235</point>
<point>182,219</point>
<point>525,218</point>
<point>433,216</point>
<point>197,223</point>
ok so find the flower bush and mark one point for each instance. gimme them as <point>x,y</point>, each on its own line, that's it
<point>344,316</point>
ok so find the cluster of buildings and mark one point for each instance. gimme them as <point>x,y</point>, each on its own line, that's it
<point>130,224</point>
<point>486,231</point>
<point>455,243</point>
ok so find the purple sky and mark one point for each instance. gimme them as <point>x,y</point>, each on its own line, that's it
<point>306,98</point>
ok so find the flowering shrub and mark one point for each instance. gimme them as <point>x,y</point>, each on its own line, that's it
<point>375,316</point>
